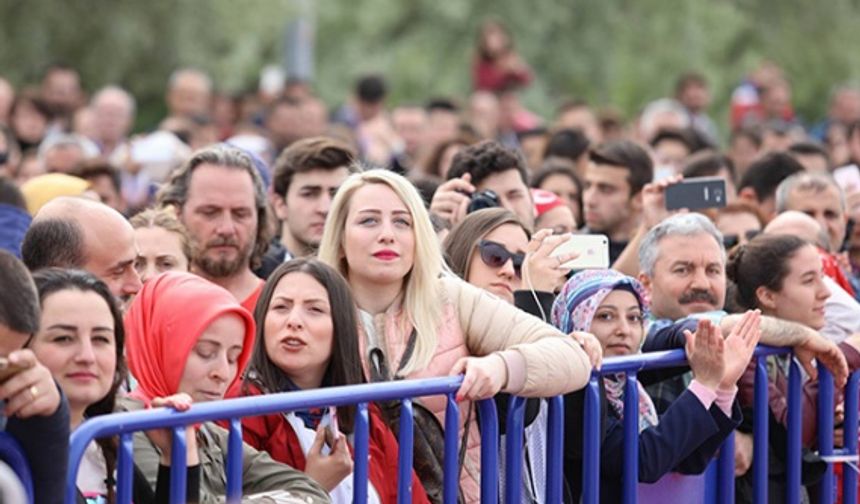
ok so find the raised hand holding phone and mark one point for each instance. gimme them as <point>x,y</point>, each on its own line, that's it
<point>328,469</point>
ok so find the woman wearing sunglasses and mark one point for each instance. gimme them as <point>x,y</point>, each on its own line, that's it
<point>427,323</point>
<point>488,250</point>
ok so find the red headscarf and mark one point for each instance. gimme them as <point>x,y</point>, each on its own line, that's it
<point>162,326</point>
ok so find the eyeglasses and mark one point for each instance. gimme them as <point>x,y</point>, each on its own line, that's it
<point>495,255</point>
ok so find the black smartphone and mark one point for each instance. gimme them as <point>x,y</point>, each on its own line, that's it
<point>696,193</point>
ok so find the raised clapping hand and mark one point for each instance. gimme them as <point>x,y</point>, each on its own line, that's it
<point>31,391</point>
<point>328,470</point>
<point>541,271</point>
<point>163,438</point>
<point>705,349</point>
<point>739,347</point>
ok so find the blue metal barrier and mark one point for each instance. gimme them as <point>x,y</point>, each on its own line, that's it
<point>125,424</point>
<point>12,453</point>
<point>725,465</point>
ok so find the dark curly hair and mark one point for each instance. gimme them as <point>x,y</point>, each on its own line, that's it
<point>484,159</point>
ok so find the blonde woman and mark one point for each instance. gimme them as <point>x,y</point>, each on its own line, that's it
<point>420,321</point>
<point>162,241</point>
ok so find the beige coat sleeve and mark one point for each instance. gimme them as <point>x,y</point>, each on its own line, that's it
<point>555,363</point>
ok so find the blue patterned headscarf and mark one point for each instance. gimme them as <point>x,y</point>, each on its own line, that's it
<point>575,305</point>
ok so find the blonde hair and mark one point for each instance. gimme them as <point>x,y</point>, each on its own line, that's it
<point>422,300</point>
<point>166,219</point>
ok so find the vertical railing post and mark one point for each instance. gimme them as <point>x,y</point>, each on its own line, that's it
<point>234,461</point>
<point>726,471</point>
<point>124,468</point>
<point>514,426</point>
<point>591,443</point>
<point>849,476</point>
<point>555,451</point>
<point>489,450</point>
<point>451,467</point>
<point>404,467</point>
<point>361,439</point>
<point>825,431</point>
<point>178,464</point>
<point>631,439</point>
<point>761,415</point>
<point>795,412</point>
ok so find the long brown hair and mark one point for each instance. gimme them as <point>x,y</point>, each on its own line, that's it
<point>51,280</point>
<point>344,367</point>
<point>463,239</point>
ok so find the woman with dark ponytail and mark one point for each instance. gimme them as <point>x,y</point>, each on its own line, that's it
<point>781,275</point>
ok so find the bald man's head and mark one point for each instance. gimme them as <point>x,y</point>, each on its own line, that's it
<point>84,234</point>
<point>799,224</point>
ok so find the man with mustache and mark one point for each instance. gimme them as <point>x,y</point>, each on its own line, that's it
<point>220,198</point>
<point>682,262</point>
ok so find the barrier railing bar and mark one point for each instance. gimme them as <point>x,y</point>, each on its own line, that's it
<point>555,454</point>
<point>514,425</point>
<point>129,422</point>
<point>178,466</point>
<point>631,438</point>
<point>726,471</point>
<point>795,413</point>
<point>234,461</point>
<point>489,421</point>
<point>450,479</point>
<point>124,471</point>
<point>591,443</point>
<point>712,491</point>
<point>849,475</point>
<point>404,463</point>
<point>361,441</point>
<point>825,431</point>
<point>760,430</point>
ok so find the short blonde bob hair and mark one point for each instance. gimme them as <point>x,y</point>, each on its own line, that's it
<point>422,290</point>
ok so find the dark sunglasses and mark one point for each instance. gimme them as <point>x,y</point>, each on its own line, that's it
<point>731,240</point>
<point>495,255</point>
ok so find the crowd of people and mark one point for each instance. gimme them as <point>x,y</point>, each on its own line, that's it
<point>266,243</point>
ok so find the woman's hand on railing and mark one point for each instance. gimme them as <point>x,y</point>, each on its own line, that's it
<point>705,354</point>
<point>739,347</point>
<point>163,438</point>
<point>591,345</point>
<point>483,377</point>
<point>328,470</point>
<point>815,346</point>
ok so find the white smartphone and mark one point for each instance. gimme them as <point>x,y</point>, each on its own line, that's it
<point>848,177</point>
<point>593,250</point>
<point>329,423</point>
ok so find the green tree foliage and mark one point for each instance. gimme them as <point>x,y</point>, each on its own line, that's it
<point>612,52</point>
